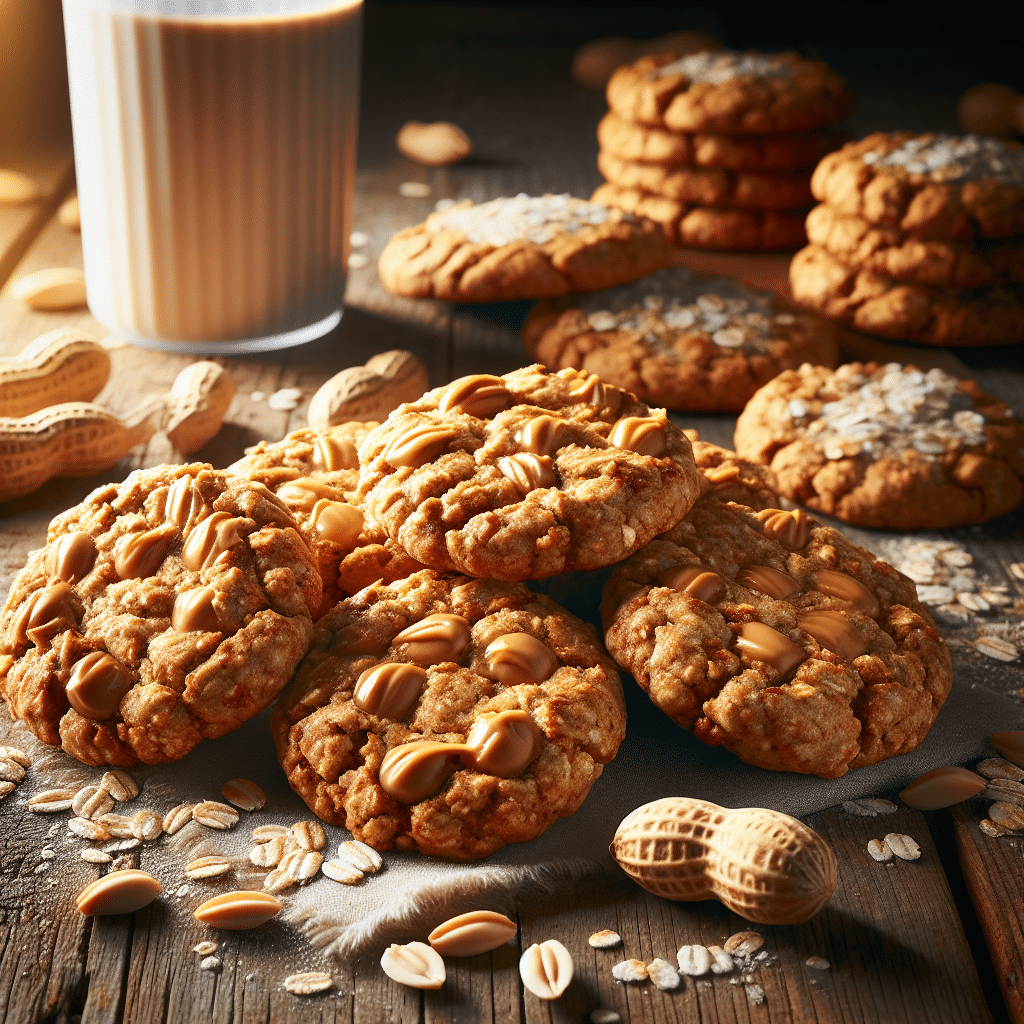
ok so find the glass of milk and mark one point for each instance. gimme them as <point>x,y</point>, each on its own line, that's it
<point>215,151</point>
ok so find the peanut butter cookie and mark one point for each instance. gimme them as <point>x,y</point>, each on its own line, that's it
<point>730,93</point>
<point>527,475</point>
<point>449,715</point>
<point>773,636</point>
<point>679,340</point>
<point>887,445</point>
<point>521,248</point>
<point>165,610</point>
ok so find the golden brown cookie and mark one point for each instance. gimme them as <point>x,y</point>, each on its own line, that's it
<point>879,305</point>
<point>934,186</point>
<point>526,476</point>
<point>315,473</point>
<point>729,93</point>
<point>711,186</point>
<point>165,610</point>
<point>630,141</point>
<point>773,636</point>
<point>679,340</point>
<point>886,446</point>
<point>449,715</point>
<point>719,228</point>
<point>520,248</point>
<point>908,259</point>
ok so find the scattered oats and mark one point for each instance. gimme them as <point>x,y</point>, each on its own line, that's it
<point>10,770</point>
<point>211,963</point>
<point>414,189</point>
<point>146,825</point>
<point>47,853</point>
<point>663,974</point>
<point>605,939</point>
<point>903,846</point>
<point>362,856</point>
<point>243,793</point>
<point>285,399</point>
<point>990,828</point>
<point>755,994</point>
<point>997,597</point>
<point>935,594</point>
<point>306,984</point>
<point>602,1016</point>
<point>953,613</point>
<point>182,891</point>
<point>120,785</point>
<point>630,970</point>
<point>215,815</point>
<point>6,788</point>
<point>264,833</point>
<point>118,825</point>
<point>869,807</point>
<point>121,845</point>
<point>722,962</point>
<point>1007,790</point>
<point>817,963</point>
<point>42,867</point>
<point>207,867</point>
<point>309,835</point>
<point>357,239</point>
<point>205,948</point>
<point>694,960</point>
<point>121,863</point>
<point>178,817</point>
<point>92,802</point>
<point>743,943</point>
<point>999,768</point>
<point>1016,570</point>
<point>338,871</point>
<point>95,856</point>
<point>307,864</point>
<point>996,647</point>
<point>88,829</point>
<point>973,602</point>
<point>256,396</point>
<point>879,850</point>
<point>281,877</point>
<point>358,260</point>
<point>1007,815</point>
<point>268,855</point>
<point>17,755</point>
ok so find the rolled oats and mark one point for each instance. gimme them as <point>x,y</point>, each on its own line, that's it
<point>1006,790</point>
<point>118,825</point>
<point>265,833</point>
<point>879,850</point>
<point>309,835</point>
<point>205,948</point>
<point>663,974</point>
<point>743,943</point>
<point>605,939</point>
<point>694,960</point>
<point>360,855</point>
<point>207,867</point>
<point>1000,768</point>
<point>121,845</point>
<point>10,770</point>
<point>996,647</point>
<point>630,970</point>
<point>120,785</point>
<point>6,788</point>
<point>213,814</point>
<point>869,807</point>
<point>903,846</point>
<point>88,829</point>
<point>339,871</point>
<point>244,794</point>
<point>146,825</point>
<point>817,963</point>
<point>95,856</point>
<point>1007,815</point>
<point>17,755</point>
<point>268,855</point>
<point>308,983</point>
<point>990,828</point>
<point>92,802</point>
<point>178,817</point>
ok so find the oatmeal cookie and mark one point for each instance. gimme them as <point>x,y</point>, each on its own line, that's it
<point>879,305</point>
<point>527,475</point>
<point>935,186</point>
<point>729,93</point>
<point>678,340</point>
<point>165,610</point>
<point>629,141</point>
<point>707,227</point>
<point>908,259</point>
<point>449,715</point>
<point>886,445</point>
<point>521,248</point>
<point>315,473</point>
<point>773,636</point>
<point>711,186</point>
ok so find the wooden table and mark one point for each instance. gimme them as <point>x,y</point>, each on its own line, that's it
<point>943,944</point>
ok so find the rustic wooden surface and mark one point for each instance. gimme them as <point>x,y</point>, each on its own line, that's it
<point>904,940</point>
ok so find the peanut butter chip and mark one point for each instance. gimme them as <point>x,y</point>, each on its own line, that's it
<point>758,642</point>
<point>942,787</point>
<point>184,504</point>
<point>119,892</point>
<point>528,471</point>
<point>835,632</point>
<point>592,392</point>
<point>213,536</point>
<point>846,588</point>
<point>139,555</point>
<point>1010,745</point>
<point>503,743</point>
<point>45,614</point>
<point>435,639</point>
<point>470,934</point>
<point>414,964</point>
<point>98,684</point>
<point>71,557</point>
<point>235,911</point>
<point>694,581</point>
<point>304,493</point>
<point>520,658</point>
<point>543,435</point>
<point>194,611</point>
<point>389,690</point>
<point>790,529</point>
<point>480,395</point>
<point>337,522</point>
<point>414,771</point>
<point>771,582</point>
<point>332,454</point>
<point>419,445</point>
<point>641,435</point>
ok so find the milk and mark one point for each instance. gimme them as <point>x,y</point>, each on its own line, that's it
<point>215,156</point>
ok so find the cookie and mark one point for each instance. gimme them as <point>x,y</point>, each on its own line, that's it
<point>448,715</point>
<point>521,248</point>
<point>729,93</point>
<point>908,259</point>
<point>629,141</point>
<point>727,477</point>
<point>678,340</point>
<point>315,473</point>
<point>775,637</point>
<point>718,228</point>
<point>887,445</point>
<point>936,186</point>
<point>526,476</point>
<point>879,305</point>
<point>165,610</point>
<point>711,186</point>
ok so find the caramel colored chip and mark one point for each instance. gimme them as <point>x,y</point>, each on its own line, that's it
<point>71,557</point>
<point>517,658</point>
<point>528,471</point>
<point>504,743</point>
<point>305,492</point>
<point>139,555</point>
<point>470,934</point>
<point>942,787</point>
<point>694,581</point>
<point>835,632</point>
<point>771,582</point>
<point>419,445</point>
<point>546,969</point>
<point>1010,745</point>
<point>480,395</point>
<point>337,522</point>
<point>244,794</point>
<point>414,964</point>
<point>846,588</point>
<point>333,453</point>
<point>45,614</point>
<point>758,642</point>
<point>436,639</point>
<point>790,529</point>
<point>183,505</point>
<point>119,892</point>
<point>641,435</point>
<point>414,771</point>
<point>543,435</point>
<point>216,534</point>
<point>98,684</point>
<point>195,611</point>
<point>389,690</point>
<point>238,910</point>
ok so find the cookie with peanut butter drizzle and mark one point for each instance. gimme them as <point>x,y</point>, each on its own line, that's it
<point>527,475</point>
<point>448,715</point>
<point>315,473</point>
<point>165,610</point>
<point>772,635</point>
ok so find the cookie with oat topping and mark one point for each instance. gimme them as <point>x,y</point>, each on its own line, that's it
<point>679,340</point>
<point>527,475</point>
<point>775,637</point>
<point>448,715</point>
<point>886,445</point>
<point>732,93</point>
<point>165,610</point>
<point>526,247</point>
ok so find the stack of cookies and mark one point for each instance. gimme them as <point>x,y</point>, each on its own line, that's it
<point>718,147</point>
<point>919,237</point>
